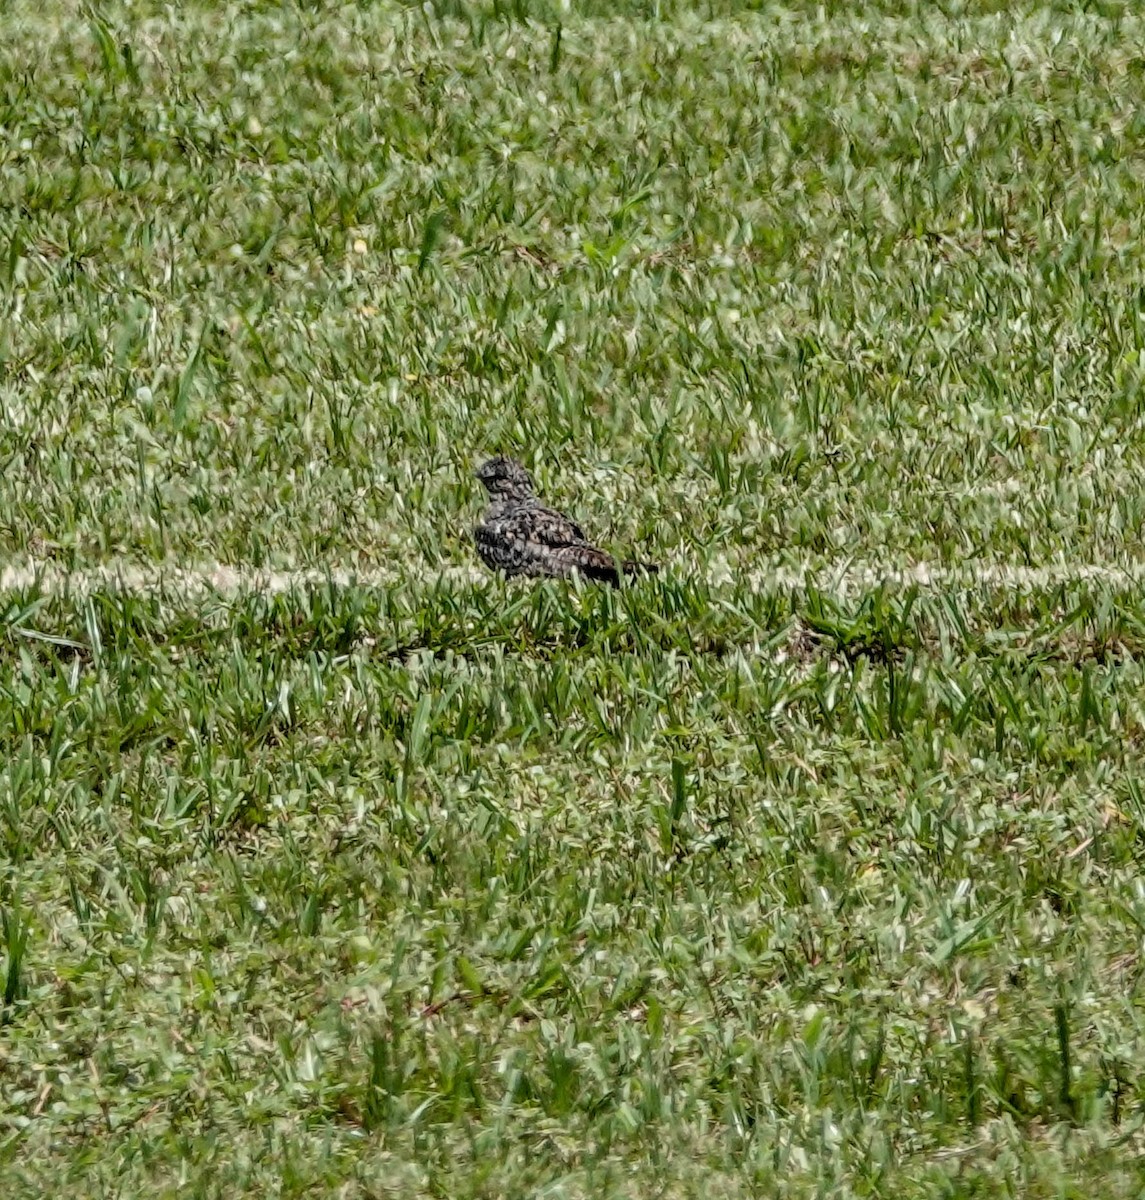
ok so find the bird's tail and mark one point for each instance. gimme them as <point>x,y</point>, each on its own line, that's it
<point>606,573</point>
<point>639,568</point>
<point>595,564</point>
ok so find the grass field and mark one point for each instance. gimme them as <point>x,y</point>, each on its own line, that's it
<point>332,864</point>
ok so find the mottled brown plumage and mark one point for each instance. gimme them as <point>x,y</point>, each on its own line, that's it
<point>521,536</point>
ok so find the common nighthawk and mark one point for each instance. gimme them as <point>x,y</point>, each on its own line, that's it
<point>521,536</point>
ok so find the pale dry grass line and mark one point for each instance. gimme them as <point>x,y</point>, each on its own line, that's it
<point>209,578</point>
<point>843,579</point>
<point>858,576</point>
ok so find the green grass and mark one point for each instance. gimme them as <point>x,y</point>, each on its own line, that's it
<point>778,874</point>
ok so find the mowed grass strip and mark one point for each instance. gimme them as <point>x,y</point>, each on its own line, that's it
<point>727,882</point>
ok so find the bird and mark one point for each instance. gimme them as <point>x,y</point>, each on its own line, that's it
<point>518,535</point>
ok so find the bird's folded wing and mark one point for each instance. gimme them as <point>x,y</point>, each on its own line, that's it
<point>548,527</point>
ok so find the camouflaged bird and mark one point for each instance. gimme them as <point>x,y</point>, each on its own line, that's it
<point>520,536</point>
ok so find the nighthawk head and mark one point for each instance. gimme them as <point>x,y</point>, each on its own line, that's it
<point>505,479</point>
